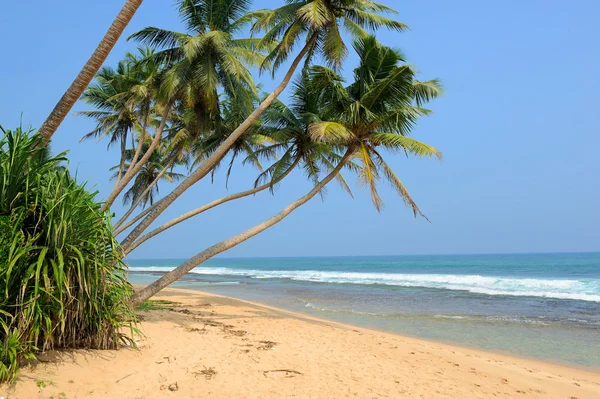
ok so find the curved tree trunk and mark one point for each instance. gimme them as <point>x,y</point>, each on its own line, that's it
<point>85,76</point>
<point>205,208</point>
<point>174,275</point>
<point>220,152</point>
<point>120,229</point>
<point>131,172</point>
<point>141,197</point>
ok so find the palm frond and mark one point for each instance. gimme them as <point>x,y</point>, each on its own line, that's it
<point>159,38</point>
<point>329,132</point>
<point>397,184</point>
<point>426,91</point>
<point>395,142</point>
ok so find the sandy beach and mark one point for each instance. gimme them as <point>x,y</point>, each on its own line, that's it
<point>208,346</point>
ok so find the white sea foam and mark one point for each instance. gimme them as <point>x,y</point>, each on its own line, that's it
<point>585,290</point>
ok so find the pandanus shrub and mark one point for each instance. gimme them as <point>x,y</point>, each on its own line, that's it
<point>62,280</point>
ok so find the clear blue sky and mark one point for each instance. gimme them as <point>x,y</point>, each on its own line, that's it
<point>519,127</point>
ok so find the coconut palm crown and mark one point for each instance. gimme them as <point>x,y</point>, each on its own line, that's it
<point>207,58</point>
<point>376,112</point>
<point>321,22</point>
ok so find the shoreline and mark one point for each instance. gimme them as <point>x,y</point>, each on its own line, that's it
<point>208,345</point>
<point>449,345</point>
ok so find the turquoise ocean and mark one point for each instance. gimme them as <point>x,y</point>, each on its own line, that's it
<point>543,306</point>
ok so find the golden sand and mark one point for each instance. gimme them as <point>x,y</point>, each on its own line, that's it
<point>208,346</point>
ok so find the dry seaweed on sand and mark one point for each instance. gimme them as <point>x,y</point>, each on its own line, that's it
<point>266,345</point>
<point>208,372</point>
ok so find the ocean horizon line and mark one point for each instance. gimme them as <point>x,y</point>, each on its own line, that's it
<point>379,256</point>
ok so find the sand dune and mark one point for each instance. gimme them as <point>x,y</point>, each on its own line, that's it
<point>207,346</point>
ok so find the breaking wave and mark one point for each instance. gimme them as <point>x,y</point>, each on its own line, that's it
<point>584,290</point>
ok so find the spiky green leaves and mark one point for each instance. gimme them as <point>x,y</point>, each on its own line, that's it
<point>208,58</point>
<point>62,281</point>
<point>316,14</point>
<point>330,132</point>
<point>377,111</point>
<point>320,19</point>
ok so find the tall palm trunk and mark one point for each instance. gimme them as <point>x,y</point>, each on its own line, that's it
<point>174,275</point>
<point>142,195</point>
<point>85,76</point>
<point>205,208</point>
<point>123,153</point>
<point>220,152</point>
<point>131,172</point>
<point>141,141</point>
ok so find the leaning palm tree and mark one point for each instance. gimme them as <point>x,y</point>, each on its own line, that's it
<point>188,146</point>
<point>201,62</point>
<point>314,23</point>
<point>287,132</point>
<point>377,111</point>
<point>90,68</point>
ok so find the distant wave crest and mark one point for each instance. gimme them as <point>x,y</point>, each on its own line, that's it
<point>584,290</point>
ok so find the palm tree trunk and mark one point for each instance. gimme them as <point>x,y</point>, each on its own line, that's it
<point>85,76</point>
<point>122,163</point>
<point>205,208</point>
<point>141,141</point>
<point>141,197</point>
<point>131,172</point>
<point>135,219</point>
<point>220,152</point>
<point>174,275</point>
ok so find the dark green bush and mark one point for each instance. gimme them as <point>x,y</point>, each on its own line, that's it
<point>62,279</point>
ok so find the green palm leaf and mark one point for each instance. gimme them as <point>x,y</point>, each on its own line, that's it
<point>395,142</point>
<point>329,132</point>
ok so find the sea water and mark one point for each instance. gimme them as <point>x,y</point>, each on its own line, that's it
<point>545,306</point>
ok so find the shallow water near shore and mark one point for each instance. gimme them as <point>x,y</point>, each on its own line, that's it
<point>544,306</point>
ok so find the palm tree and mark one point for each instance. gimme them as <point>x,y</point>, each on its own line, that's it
<point>147,77</point>
<point>90,68</point>
<point>124,102</point>
<point>113,115</point>
<point>145,186</point>
<point>194,147</point>
<point>377,111</point>
<point>207,58</point>
<point>203,61</point>
<point>315,22</point>
<point>288,132</point>
<point>188,147</point>
<point>322,20</point>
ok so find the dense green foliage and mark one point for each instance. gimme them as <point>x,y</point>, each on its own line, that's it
<point>62,281</point>
<point>190,101</point>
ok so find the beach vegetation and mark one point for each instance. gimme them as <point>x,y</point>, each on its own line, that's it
<point>331,126</point>
<point>62,278</point>
<point>187,103</point>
